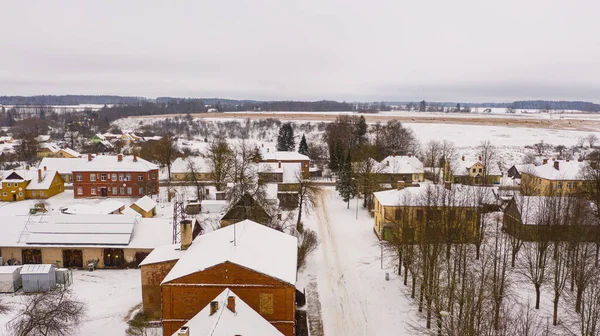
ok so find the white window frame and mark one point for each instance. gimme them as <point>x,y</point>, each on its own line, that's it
<point>129,191</point>
<point>93,177</point>
<point>128,177</point>
<point>140,177</point>
<point>140,191</point>
<point>115,191</point>
<point>121,177</point>
<point>42,193</point>
<point>8,184</point>
<point>20,193</point>
<point>153,176</point>
<point>121,191</point>
<point>103,177</point>
<point>78,177</point>
<point>114,177</point>
<point>79,191</point>
<point>93,191</point>
<point>33,193</point>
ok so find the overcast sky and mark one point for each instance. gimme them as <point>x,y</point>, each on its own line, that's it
<point>443,50</point>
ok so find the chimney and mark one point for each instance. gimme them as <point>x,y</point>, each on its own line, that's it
<point>231,303</point>
<point>134,158</point>
<point>387,163</point>
<point>39,175</point>
<point>448,185</point>
<point>394,155</point>
<point>556,165</point>
<point>120,157</point>
<point>279,164</point>
<point>409,154</point>
<point>183,331</point>
<point>479,158</point>
<point>27,167</point>
<point>214,306</point>
<point>45,168</point>
<point>545,161</point>
<point>463,158</point>
<point>186,233</point>
<point>89,157</point>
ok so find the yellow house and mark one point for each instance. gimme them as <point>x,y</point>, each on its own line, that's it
<point>471,172</point>
<point>29,184</point>
<point>145,206</point>
<point>555,177</point>
<point>67,153</point>
<point>47,150</point>
<point>430,213</point>
<point>393,169</point>
<point>182,171</point>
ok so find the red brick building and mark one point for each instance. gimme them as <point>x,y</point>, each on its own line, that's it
<point>115,176</point>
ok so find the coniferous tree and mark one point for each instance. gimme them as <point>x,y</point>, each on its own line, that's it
<point>345,185</point>
<point>303,147</point>
<point>361,130</point>
<point>11,121</point>
<point>285,140</point>
<point>422,106</point>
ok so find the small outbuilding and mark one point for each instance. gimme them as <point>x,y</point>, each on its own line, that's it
<point>145,206</point>
<point>10,279</point>
<point>213,206</point>
<point>38,278</point>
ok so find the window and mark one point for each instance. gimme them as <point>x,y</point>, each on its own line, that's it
<point>103,177</point>
<point>128,177</point>
<point>416,177</point>
<point>93,191</point>
<point>78,177</point>
<point>8,184</point>
<point>122,190</point>
<point>121,177</point>
<point>129,191</point>
<point>420,215</point>
<point>114,177</point>
<point>153,176</point>
<point>141,177</point>
<point>469,215</point>
<point>266,303</point>
<point>93,177</point>
<point>79,191</point>
<point>4,193</point>
<point>474,170</point>
<point>33,193</point>
<point>398,214</point>
<point>41,193</point>
<point>140,191</point>
<point>20,193</point>
<point>481,170</point>
<point>569,185</point>
<point>560,184</point>
<point>114,190</point>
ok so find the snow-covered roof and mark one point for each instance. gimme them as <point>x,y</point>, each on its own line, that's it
<point>545,210</point>
<point>291,171</point>
<point>400,164</point>
<point>163,253</point>
<point>62,165</point>
<point>51,147</point>
<point>110,163</point>
<point>252,247</point>
<point>284,156</point>
<point>71,152</point>
<point>36,269</point>
<point>103,208</point>
<point>42,138</point>
<point>181,165</point>
<point>44,183</point>
<point>567,170</point>
<point>146,203</point>
<point>427,194</point>
<point>525,167</point>
<point>9,269</point>
<point>461,166</point>
<point>224,322</point>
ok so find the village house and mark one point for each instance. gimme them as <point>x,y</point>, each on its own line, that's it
<point>106,241</point>
<point>6,139</point>
<point>246,208</point>
<point>393,169</point>
<point>288,157</point>
<point>67,153</point>
<point>515,171</point>
<point>550,218</point>
<point>180,169</point>
<point>227,314</point>
<point>31,184</point>
<point>64,166</point>
<point>145,206</point>
<point>255,261</point>
<point>430,212</point>
<point>471,172</point>
<point>115,176</point>
<point>47,150</point>
<point>553,177</point>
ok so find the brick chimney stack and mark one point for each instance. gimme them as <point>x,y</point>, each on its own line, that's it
<point>39,175</point>
<point>556,165</point>
<point>89,157</point>
<point>120,157</point>
<point>463,158</point>
<point>409,154</point>
<point>231,303</point>
<point>183,331</point>
<point>479,157</point>
<point>134,158</point>
<point>545,161</point>
<point>186,233</point>
<point>279,164</point>
<point>214,306</point>
<point>45,168</point>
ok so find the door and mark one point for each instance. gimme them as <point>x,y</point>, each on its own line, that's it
<point>103,192</point>
<point>30,256</point>
<point>113,258</point>
<point>73,258</point>
<point>14,197</point>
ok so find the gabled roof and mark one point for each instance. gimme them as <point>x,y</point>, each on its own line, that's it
<point>461,166</point>
<point>105,207</point>
<point>146,203</point>
<point>550,210</point>
<point>247,208</point>
<point>45,183</point>
<point>224,322</point>
<point>62,165</point>
<point>70,152</point>
<point>254,246</point>
<point>110,163</point>
<point>284,156</point>
<point>567,170</point>
<point>400,164</point>
<point>163,253</point>
<point>51,147</point>
<point>427,194</point>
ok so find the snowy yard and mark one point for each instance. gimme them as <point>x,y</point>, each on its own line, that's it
<point>112,298</point>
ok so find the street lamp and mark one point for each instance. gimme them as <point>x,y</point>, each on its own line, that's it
<point>357,185</point>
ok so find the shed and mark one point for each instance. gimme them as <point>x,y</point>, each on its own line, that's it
<point>38,278</point>
<point>145,206</point>
<point>10,279</point>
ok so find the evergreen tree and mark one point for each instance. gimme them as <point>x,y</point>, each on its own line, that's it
<point>285,140</point>
<point>10,120</point>
<point>42,115</point>
<point>422,106</point>
<point>457,107</point>
<point>345,186</point>
<point>256,155</point>
<point>361,130</point>
<point>303,147</point>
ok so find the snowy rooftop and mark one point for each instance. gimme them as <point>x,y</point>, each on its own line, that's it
<point>110,163</point>
<point>32,176</point>
<point>62,165</point>
<point>163,253</point>
<point>400,164</point>
<point>427,194</point>
<point>253,249</point>
<point>51,147</point>
<point>103,208</point>
<point>284,156</point>
<point>544,210</point>
<point>71,152</point>
<point>182,166</point>
<point>36,269</point>
<point>462,165</point>
<point>224,322</point>
<point>146,203</point>
<point>559,170</point>
<point>9,269</point>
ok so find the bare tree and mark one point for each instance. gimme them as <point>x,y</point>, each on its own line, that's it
<point>165,152</point>
<point>56,312</point>
<point>592,139</point>
<point>560,274</point>
<point>242,171</point>
<point>307,244</point>
<point>139,325</point>
<point>192,176</point>
<point>220,157</point>
<point>499,277</point>
<point>488,153</point>
<point>308,195</point>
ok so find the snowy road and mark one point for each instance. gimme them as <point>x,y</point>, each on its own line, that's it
<point>355,298</point>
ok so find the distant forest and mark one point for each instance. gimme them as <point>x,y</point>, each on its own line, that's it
<point>68,100</point>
